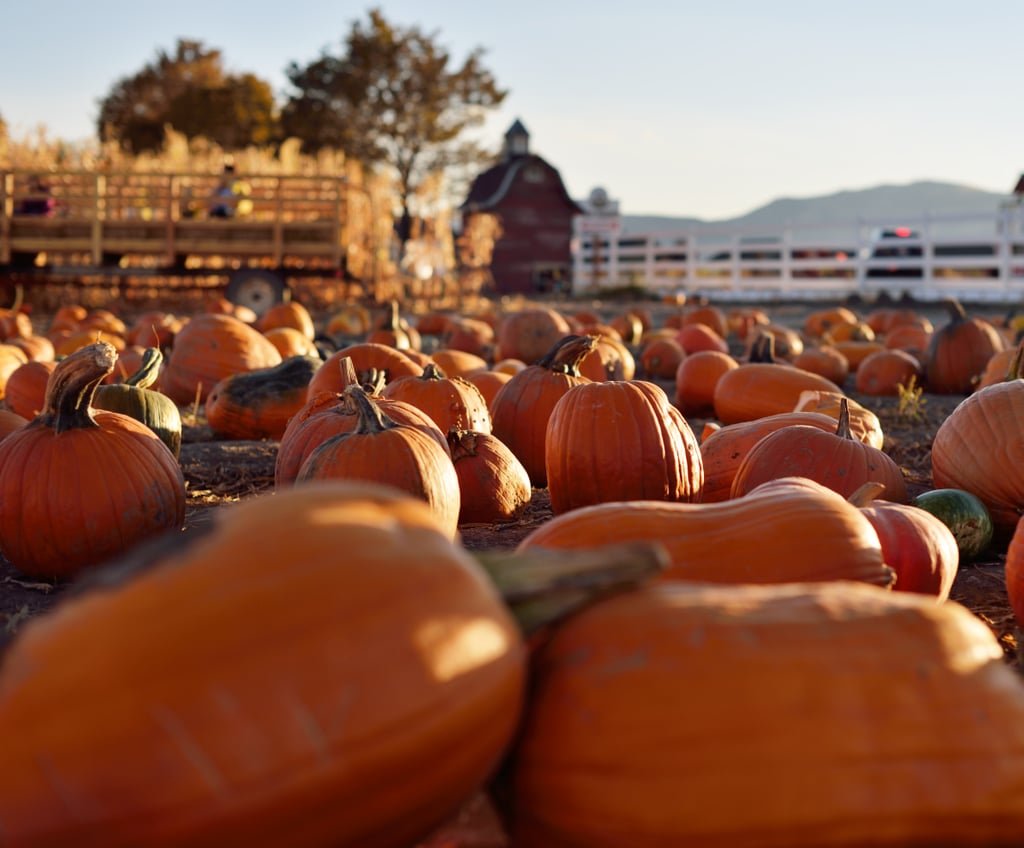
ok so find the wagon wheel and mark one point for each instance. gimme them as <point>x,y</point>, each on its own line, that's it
<point>257,288</point>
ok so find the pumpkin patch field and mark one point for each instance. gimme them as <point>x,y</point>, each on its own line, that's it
<point>518,573</point>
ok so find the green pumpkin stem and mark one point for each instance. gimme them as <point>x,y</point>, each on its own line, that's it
<point>541,587</point>
<point>70,390</point>
<point>148,371</point>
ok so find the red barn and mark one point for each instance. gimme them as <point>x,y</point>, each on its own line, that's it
<point>517,221</point>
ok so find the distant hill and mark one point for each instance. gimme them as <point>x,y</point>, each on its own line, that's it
<point>891,204</point>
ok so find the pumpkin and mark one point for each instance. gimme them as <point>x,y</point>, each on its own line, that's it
<point>979,448</point>
<point>857,350</point>
<point>521,408</point>
<point>696,378</point>
<point>9,422</point>
<point>919,547</point>
<point>258,404</point>
<point>78,485</point>
<point>723,449</point>
<point>493,485</point>
<point>290,342</point>
<point>800,716</point>
<point>826,360</point>
<point>708,315</point>
<point>449,401</point>
<point>11,359</point>
<point>34,347</point>
<point>958,352</point>
<point>1013,570</point>
<point>756,389</point>
<point>470,335</point>
<point>329,414</point>
<point>609,360</point>
<point>965,516</point>
<point>787,530</point>
<point>488,381</point>
<point>210,347</point>
<point>836,460</point>
<point>380,450</point>
<point>884,372</point>
<point>529,334</point>
<point>457,363</point>
<point>135,397</point>
<point>25,391</point>
<point>290,314</point>
<point>154,328</point>
<point>278,729</point>
<point>822,321</point>
<point>365,356</point>
<point>619,440</point>
<point>864,424</point>
<point>660,357</point>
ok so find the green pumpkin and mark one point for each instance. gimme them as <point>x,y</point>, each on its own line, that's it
<point>964,514</point>
<point>133,397</point>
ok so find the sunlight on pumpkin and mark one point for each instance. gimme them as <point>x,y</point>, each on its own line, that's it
<point>453,646</point>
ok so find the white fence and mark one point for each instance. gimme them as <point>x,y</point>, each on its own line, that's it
<point>973,258</point>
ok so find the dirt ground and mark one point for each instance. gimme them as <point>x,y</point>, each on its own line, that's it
<point>219,472</point>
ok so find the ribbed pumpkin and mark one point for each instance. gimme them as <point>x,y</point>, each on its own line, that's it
<point>289,680</point>
<point>521,408</point>
<point>959,351</point>
<point>449,401</point>
<point>78,485</point>
<point>135,398</point>
<point>380,450</point>
<point>328,414</point>
<point>258,404</point>
<point>807,716</point>
<point>210,347</point>
<point>723,450</point>
<point>609,360</point>
<point>493,485</point>
<point>980,448</point>
<point>784,531</point>
<point>864,424</point>
<point>619,440</point>
<point>1014,572</point>
<point>836,460</point>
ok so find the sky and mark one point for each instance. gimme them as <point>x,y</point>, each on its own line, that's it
<point>708,109</point>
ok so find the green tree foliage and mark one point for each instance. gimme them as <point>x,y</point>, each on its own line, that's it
<point>393,98</point>
<point>190,91</point>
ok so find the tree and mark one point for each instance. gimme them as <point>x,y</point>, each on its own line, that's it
<point>191,92</point>
<point>393,99</point>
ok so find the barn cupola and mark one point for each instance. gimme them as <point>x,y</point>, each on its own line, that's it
<point>517,140</point>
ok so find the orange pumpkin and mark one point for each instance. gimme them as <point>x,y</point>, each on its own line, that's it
<point>288,314</point>
<point>958,352</point>
<point>826,360</point>
<point>380,450</point>
<point>493,485</point>
<point>836,460</point>
<point>365,356</point>
<point>529,334</point>
<point>696,378</point>
<point>210,347</point>
<point>302,598</point>
<point>653,454</point>
<point>826,708</point>
<point>521,408</point>
<point>124,486</point>
<point>25,392</point>
<point>756,389</point>
<point>883,373</point>
<point>660,358</point>
<point>449,401</point>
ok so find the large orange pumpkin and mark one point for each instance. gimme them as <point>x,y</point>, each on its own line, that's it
<point>78,485</point>
<point>289,680</point>
<point>802,716</point>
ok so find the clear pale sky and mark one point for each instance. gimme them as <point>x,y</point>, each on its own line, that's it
<point>708,109</point>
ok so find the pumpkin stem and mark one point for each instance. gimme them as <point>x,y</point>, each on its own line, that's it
<point>843,427</point>
<point>372,419</point>
<point>348,372</point>
<point>148,371</point>
<point>762,349</point>
<point>541,587</point>
<point>432,371</point>
<point>956,311</point>
<point>865,493</point>
<point>567,354</point>
<point>70,390</point>
<point>461,443</point>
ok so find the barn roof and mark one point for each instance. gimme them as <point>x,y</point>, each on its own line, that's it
<point>490,187</point>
